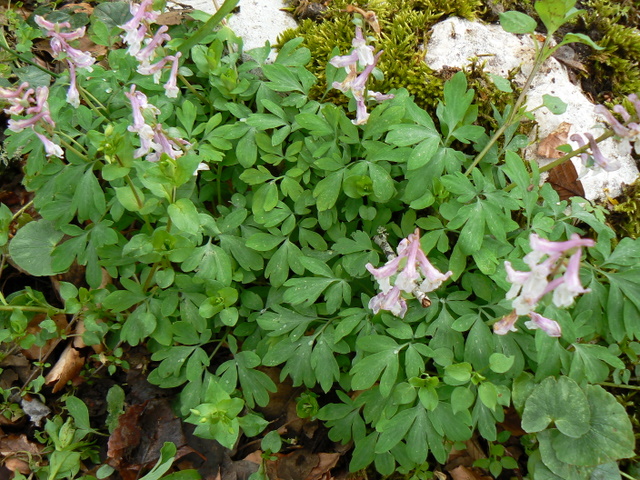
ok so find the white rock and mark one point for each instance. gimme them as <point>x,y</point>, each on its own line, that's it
<point>257,22</point>
<point>455,42</point>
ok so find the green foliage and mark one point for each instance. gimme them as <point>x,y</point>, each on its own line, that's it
<point>264,260</point>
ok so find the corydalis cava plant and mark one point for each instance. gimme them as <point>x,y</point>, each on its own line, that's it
<point>546,261</point>
<point>409,272</point>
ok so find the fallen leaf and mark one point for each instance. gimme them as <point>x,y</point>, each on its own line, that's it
<point>17,450</point>
<point>326,461</point>
<point>66,368</point>
<point>126,435</point>
<point>40,353</point>
<point>170,18</point>
<point>548,147</point>
<point>563,178</point>
<point>464,473</point>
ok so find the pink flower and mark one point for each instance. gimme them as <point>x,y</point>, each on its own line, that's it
<point>136,28</point>
<point>75,58</point>
<point>362,55</point>
<point>391,301</point>
<point>409,272</point>
<point>550,327</point>
<point>146,54</point>
<point>506,324</point>
<point>50,148</point>
<point>171,87</point>
<point>546,261</point>
<point>19,99</point>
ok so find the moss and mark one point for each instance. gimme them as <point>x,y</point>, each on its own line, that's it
<point>625,218</point>
<point>613,25</point>
<point>405,28</point>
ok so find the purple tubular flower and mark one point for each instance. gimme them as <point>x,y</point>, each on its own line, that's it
<point>73,95</point>
<point>506,324</point>
<point>408,272</point>
<point>550,327</point>
<point>617,127</point>
<point>50,148</point>
<point>171,87</point>
<point>140,13</point>
<point>155,69</point>
<point>362,55</point>
<point>581,143</point>
<point>391,301</point>
<point>601,160</point>
<point>565,292</point>
<point>146,54</point>
<point>528,288</point>
<point>19,99</point>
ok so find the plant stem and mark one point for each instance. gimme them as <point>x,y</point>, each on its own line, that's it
<point>26,60</point>
<point>208,27</point>
<point>193,90</point>
<point>578,151</point>
<point>615,385</point>
<point>21,211</point>
<point>513,115</point>
<point>69,147</point>
<point>29,308</point>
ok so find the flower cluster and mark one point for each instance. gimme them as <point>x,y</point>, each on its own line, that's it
<point>629,132</point>
<point>151,137</point>
<point>63,50</point>
<point>409,272</point>
<point>545,261</point>
<point>143,46</point>
<point>23,102</point>
<point>355,82</point>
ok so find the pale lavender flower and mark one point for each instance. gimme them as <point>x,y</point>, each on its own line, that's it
<point>550,327</point>
<point>19,99</point>
<point>600,160</point>
<point>136,28</point>
<point>506,324</point>
<point>391,301</point>
<point>546,261</point>
<point>171,87</point>
<point>410,272</point>
<point>146,54</point>
<point>40,115</point>
<point>75,58</point>
<point>629,132</point>
<point>362,55</point>
<point>73,95</point>
<point>50,148</point>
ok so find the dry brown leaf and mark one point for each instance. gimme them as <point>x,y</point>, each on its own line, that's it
<point>17,450</point>
<point>464,473</point>
<point>39,353</point>
<point>66,368</point>
<point>79,8</point>
<point>126,435</point>
<point>548,146</point>
<point>170,18</point>
<point>326,462</point>
<point>563,178</point>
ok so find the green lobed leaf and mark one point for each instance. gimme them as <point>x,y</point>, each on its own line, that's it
<point>32,246</point>
<point>560,401</point>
